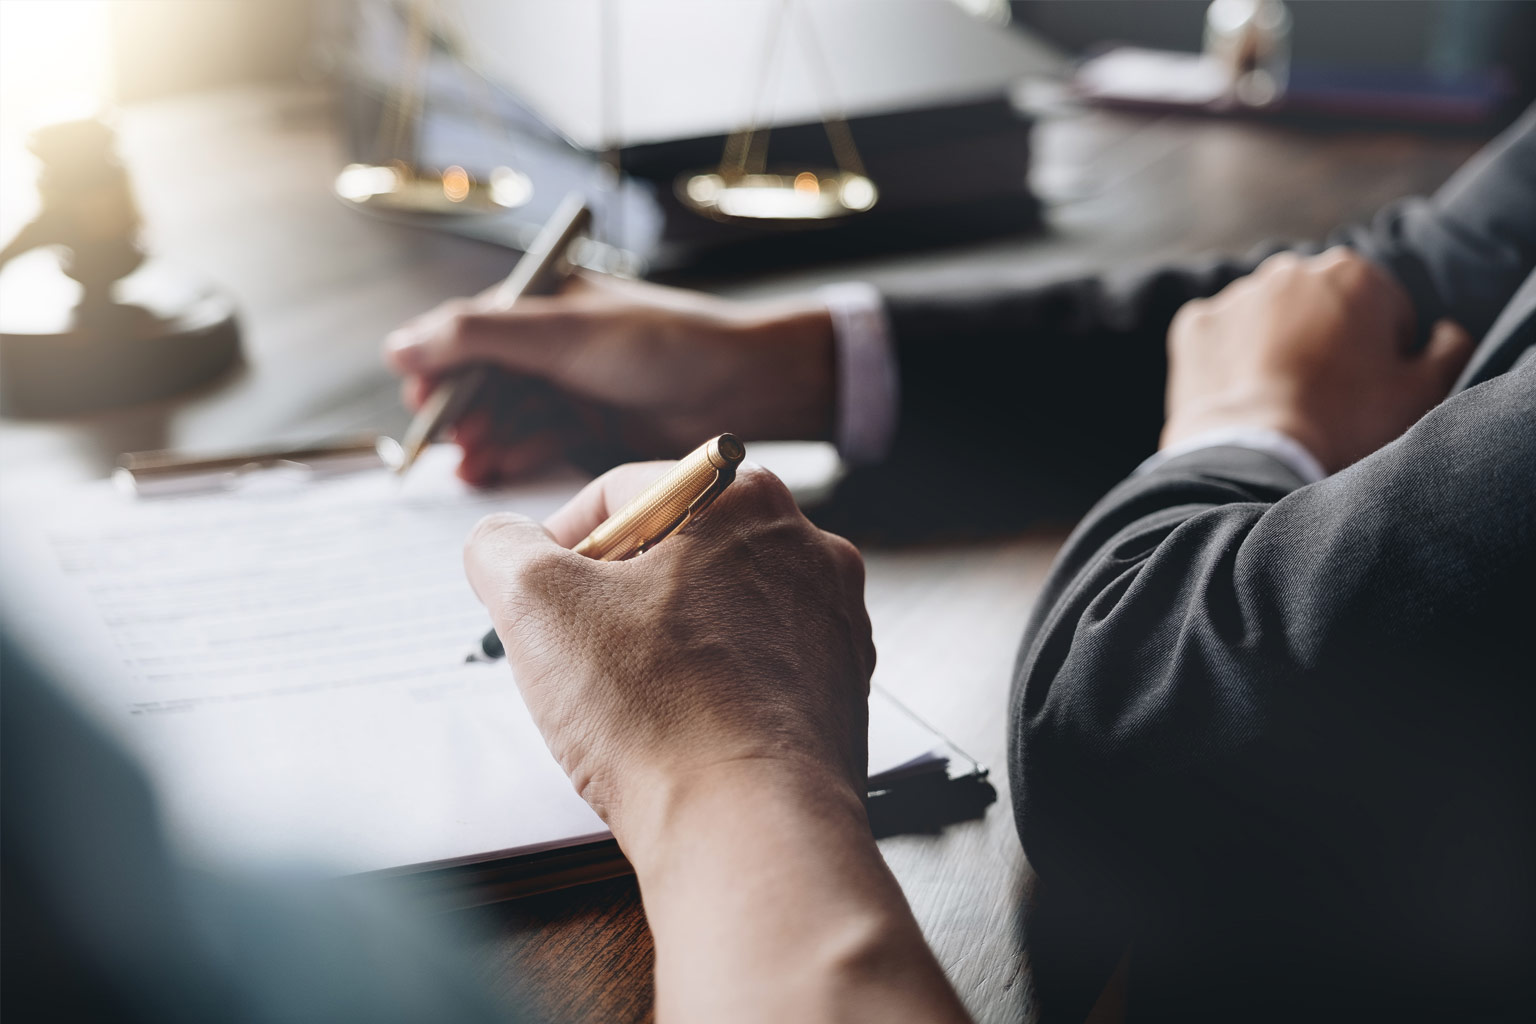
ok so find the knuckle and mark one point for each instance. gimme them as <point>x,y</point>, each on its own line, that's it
<point>543,569</point>
<point>1194,309</point>
<point>497,527</point>
<point>454,328</point>
<point>1339,256</point>
<point>1187,320</point>
<point>1348,268</point>
<point>846,556</point>
<point>519,588</point>
<point>862,639</point>
<point>490,552</point>
<point>1281,264</point>
<point>464,323</point>
<point>762,489</point>
<point>847,566</point>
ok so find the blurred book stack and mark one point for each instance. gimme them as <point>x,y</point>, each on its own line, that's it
<point>551,88</point>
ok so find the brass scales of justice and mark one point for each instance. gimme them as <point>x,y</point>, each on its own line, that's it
<point>400,184</point>
<point>741,188</point>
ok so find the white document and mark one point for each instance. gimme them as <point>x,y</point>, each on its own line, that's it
<point>288,659</point>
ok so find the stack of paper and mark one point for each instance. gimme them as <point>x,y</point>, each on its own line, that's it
<point>288,657</point>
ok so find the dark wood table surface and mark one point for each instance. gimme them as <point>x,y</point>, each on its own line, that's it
<point>236,186</point>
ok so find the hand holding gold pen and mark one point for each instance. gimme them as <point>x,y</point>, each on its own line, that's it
<point>654,514</point>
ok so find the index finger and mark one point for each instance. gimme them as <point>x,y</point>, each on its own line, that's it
<point>600,499</point>
<point>525,337</point>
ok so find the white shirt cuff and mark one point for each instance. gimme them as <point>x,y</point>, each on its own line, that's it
<point>868,389</point>
<point>1281,447</point>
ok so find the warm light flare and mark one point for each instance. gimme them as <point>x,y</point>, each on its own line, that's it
<point>806,196</point>
<point>456,184</point>
<point>53,62</point>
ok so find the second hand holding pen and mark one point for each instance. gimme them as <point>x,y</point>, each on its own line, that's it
<point>543,268</point>
<point>654,514</point>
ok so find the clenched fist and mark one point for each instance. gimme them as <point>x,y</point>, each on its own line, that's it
<point>1319,349</point>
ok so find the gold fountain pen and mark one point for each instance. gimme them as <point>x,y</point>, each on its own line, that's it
<point>654,514</point>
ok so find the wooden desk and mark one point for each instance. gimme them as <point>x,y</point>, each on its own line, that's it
<point>236,186</point>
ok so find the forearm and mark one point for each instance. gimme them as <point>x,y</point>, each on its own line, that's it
<point>769,900</point>
<point>785,390</point>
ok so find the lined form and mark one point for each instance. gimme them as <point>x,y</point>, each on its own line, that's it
<point>342,583</point>
<point>289,662</point>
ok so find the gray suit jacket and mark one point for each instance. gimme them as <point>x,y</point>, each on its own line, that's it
<point>1280,738</point>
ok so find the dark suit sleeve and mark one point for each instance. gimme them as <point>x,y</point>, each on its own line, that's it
<point>1023,404</point>
<point>1462,252</point>
<point>1028,403</point>
<point>1281,736</point>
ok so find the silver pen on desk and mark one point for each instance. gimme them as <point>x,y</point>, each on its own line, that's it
<point>544,267</point>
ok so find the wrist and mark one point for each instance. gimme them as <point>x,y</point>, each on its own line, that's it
<point>791,390</point>
<point>662,813</point>
<point>1182,428</point>
<point>769,901</point>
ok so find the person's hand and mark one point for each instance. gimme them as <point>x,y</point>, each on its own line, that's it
<point>709,698</point>
<point>741,641</point>
<point>1318,348</point>
<point>610,370</point>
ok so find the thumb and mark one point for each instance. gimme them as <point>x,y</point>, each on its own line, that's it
<point>1446,355</point>
<point>514,564</point>
<point>526,339</point>
<point>601,498</point>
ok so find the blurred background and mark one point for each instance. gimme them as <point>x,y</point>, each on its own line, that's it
<point>285,180</point>
<point>130,52</point>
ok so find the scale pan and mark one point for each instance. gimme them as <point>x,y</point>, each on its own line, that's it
<point>454,192</point>
<point>810,195</point>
